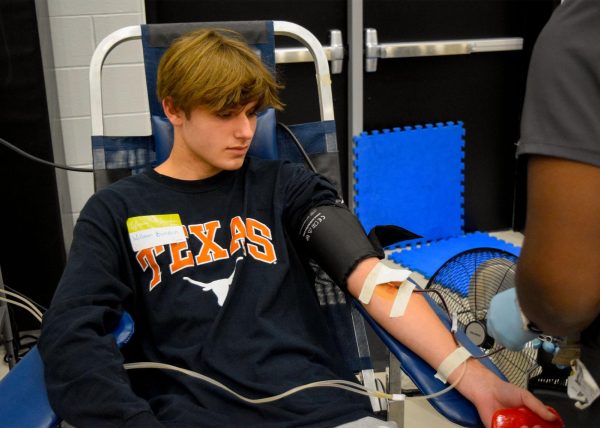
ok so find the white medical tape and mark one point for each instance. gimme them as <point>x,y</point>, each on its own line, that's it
<point>402,297</point>
<point>369,285</point>
<point>451,363</point>
<point>380,274</point>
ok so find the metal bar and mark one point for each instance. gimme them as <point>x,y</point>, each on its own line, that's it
<point>454,47</point>
<point>293,55</point>
<point>362,347</point>
<point>6,329</point>
<point>375,50</point>
<point>102,50</point>
<point>313,50</point>
<point>334,53</point>
<point>355,87</point>
<point>396,409</point>
<point>301,34</point>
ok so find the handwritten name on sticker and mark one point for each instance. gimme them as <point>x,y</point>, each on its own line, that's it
<point>151,230</point>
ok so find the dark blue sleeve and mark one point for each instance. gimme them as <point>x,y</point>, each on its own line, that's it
<point>86,382</point>
<point>303,190</point>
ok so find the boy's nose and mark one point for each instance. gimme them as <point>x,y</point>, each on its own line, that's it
<point>246,125</point>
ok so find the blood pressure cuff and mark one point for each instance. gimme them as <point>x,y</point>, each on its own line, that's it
<point>336,240</point>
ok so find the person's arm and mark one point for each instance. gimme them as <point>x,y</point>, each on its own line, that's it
<point>422,331</point>
<point>336,240</point>
<point>85,379</point>
<point>558,274</point>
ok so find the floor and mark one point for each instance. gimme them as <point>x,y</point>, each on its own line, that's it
<point>417,413</point>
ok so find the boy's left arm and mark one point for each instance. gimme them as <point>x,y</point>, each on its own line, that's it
<point>421,330</point>
<point>334,238</point>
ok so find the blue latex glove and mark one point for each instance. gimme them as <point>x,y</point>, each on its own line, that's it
<point>547,344</point>
<point>505,321</point>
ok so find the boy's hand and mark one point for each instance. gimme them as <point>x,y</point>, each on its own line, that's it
<point>508,395</point>
<point>489,394</point>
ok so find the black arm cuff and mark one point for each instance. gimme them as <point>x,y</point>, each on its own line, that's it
<point>336,241</point>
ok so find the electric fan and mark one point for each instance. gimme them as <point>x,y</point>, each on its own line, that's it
<point>465,285</point>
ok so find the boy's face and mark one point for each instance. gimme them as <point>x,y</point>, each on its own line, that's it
<point>213,142</point>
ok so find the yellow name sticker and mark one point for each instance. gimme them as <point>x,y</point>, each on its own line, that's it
<point>152,230</point>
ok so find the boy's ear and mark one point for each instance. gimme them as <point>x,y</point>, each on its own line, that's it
<point>173,113</point>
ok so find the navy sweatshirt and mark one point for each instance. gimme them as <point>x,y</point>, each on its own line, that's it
<point>233,300</point>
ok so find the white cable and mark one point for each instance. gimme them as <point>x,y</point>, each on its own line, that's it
<point>336,383</point>
<point>342,384</point>
<point>14,302</point>
<point>23,299</point>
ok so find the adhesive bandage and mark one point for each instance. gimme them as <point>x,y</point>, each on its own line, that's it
<point>451,363</point>
<point>382,274</point>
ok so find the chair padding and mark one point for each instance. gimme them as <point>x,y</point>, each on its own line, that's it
<point>264,143</point>
<point>23,390</point>
<point>162,131</point>
<point>24,399</point>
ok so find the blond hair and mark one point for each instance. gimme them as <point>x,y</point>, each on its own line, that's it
<point>215,69</point>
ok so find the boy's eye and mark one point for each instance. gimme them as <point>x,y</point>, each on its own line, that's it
<point>227,114</point>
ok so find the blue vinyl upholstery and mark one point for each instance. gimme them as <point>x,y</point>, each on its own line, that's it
<point>24,401</point>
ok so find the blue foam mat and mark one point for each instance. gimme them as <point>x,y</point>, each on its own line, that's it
<point>427,259</point>
<point>411,177</point>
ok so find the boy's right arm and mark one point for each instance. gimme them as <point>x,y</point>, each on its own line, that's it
<point>85,379</point>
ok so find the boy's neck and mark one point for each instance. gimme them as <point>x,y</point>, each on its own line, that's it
<point>184,169</point>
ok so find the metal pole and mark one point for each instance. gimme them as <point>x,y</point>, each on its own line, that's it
<point>6,329</point>
<point>355,86</point>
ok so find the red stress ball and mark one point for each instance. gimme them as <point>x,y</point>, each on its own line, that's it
<point>517,417</point>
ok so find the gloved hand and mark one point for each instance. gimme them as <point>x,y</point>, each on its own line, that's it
<point>505,321</point>
<point>547,344</point>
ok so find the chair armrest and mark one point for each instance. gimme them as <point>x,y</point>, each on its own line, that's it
<point>124,330</point>
<point>24,399</point>
<point>23,390</point>
<point>452,405</point>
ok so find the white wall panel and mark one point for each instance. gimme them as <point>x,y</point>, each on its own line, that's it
<point>91,7</point>
<point>72,41</point>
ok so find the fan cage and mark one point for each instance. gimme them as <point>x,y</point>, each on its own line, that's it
<point>467,282</point>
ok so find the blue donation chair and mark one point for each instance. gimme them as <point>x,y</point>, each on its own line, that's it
<point>24,401</point>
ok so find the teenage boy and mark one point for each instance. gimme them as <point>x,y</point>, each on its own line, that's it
<point>205,251</point>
